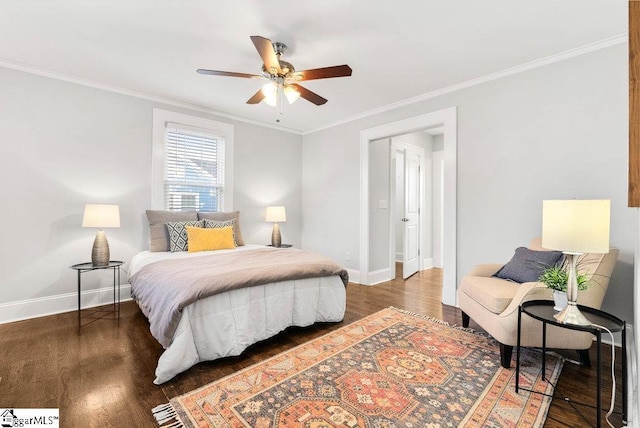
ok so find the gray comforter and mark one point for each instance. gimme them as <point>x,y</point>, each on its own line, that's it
<point>162,289</point>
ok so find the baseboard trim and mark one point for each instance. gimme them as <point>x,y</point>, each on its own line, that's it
<point>378,276</point>
<point>51,305</point>
<point>427,263</point>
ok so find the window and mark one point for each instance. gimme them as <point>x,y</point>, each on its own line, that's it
<point>193,169</point>
<point>191,163</point>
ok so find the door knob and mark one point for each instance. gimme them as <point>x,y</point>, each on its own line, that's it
<point>405,219</point>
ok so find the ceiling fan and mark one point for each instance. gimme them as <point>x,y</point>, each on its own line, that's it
<point>282,75</point>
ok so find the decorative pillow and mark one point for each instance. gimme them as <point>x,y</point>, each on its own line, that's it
<point>223,217</point>
<point>178,240</point>
<point>527,265</point>
<point>158,233</point>
<point>213,224</point>
<point>202,239</point>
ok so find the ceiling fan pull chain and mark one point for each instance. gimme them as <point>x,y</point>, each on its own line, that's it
<point>280,97</point>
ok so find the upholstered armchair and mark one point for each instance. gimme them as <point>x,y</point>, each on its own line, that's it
<point>493,303</point>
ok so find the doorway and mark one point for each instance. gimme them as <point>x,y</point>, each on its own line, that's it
<point>408,228</point>
<point>416,223</point>
<point>446,120</point>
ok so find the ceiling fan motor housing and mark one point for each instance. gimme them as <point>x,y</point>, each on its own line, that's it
<point>279,48</point>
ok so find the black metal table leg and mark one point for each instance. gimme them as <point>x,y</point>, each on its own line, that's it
<point>79,292</point>
<point>544,350</point>
<point>114,291</point>
<point>599,381</point>
<point>518,348</point>
<point>119,292</point>
<point>624,373</point>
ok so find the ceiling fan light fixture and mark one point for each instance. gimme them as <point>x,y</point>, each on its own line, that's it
<point>270,92</point>
<point>291,93</point>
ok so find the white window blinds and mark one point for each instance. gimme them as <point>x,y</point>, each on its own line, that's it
<point>194,169</point>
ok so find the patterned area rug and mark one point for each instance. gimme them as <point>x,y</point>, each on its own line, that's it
<point>390,369</point>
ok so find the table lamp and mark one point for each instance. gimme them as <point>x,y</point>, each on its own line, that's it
<point>575,227</point>
<point>101,216</point>
<point>276,215</point>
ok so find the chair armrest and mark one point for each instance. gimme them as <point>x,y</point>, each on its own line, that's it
<point>527,291</point>
<point>485,269</point>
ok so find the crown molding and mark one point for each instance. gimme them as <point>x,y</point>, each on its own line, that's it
<point>132,93</point>
<point>571,53</point>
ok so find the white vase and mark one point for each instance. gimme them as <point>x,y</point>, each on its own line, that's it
<point>560,300</point>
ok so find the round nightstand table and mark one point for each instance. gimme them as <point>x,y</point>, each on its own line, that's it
<point>99,312</point>
<point>543,311</point>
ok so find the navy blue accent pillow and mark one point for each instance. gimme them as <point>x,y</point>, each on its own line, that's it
<point>527,265</point>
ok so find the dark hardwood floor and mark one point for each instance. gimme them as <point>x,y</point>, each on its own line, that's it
<point>103,377</point>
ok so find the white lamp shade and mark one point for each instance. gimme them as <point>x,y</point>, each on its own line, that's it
<point>276,214</point>
<point>101,216</point>
<point>576,226</point>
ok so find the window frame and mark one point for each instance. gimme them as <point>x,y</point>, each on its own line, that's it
<point>160,120</point>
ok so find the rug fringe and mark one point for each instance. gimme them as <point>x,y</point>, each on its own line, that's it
<point>165,413</point>
<point>434,320</point>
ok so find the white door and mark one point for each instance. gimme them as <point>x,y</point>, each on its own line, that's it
<point>411,219</point>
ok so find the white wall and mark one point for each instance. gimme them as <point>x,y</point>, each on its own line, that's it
<point>559,131</point>
<point>379,191</point>
<point>65,145</point>
<point>438,202</point>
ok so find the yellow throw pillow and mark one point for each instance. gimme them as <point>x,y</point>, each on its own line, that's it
<point>201,239</point>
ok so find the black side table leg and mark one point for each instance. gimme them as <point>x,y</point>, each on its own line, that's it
<point>624,373</point>
<point>544,351</point>
<point>518,349</point>
<point>119,292</point>
<point>79,291</point>
<point>599,382</point>
<point>114,291</point>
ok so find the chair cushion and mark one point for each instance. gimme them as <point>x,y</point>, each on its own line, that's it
<point>493,293</point>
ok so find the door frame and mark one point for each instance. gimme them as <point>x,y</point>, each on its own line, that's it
<point>446,118</point>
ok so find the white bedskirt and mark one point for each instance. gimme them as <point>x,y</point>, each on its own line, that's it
<point>226,324</point>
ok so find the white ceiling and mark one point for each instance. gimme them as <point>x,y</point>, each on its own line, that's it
<point>397,49</point>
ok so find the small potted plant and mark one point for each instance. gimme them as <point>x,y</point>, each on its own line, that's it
<point>556,278</point>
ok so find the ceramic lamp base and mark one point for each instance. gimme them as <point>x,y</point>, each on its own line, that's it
<point>276,239</point>
<point>572,315</point>
<point>100,251</point>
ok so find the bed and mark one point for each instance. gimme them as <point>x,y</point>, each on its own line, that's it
<point>211,304</point>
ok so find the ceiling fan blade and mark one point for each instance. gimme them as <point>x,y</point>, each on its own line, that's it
<point>256,98</point>
<point>226,73</point>
<point>323,73</point>
<point>268,55</point>
<point>309,96</point>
